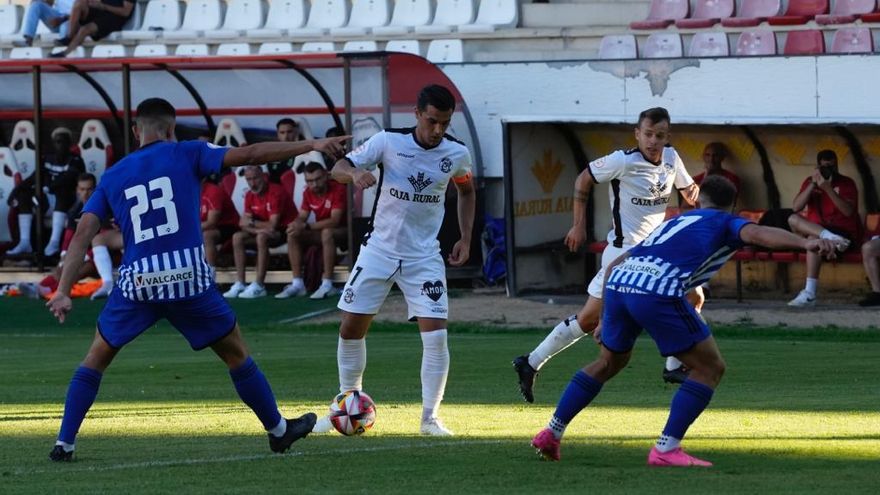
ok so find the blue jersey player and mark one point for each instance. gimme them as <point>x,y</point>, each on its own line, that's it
<point>154,196</point>
<point>645,289</point>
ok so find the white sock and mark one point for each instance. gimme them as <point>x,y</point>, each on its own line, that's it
<point>435,368</point>
<point>25,220</point>
<point>101,256</point>
<point>59,219</point>
<point>326,282</point>
<point>812,285</point>
<point>351,358</point>
<point>567,332</point>
<point>298,282</point>
<point>666,443</point>
<point>68,447</point>
<point>279,429</point>
<point>557,427</point>
<point>672,363</point>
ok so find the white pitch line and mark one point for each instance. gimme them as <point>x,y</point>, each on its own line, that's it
<point>306,316</point>
<point>253,457</point>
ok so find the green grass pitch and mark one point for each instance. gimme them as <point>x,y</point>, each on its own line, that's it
<point>798,412</point>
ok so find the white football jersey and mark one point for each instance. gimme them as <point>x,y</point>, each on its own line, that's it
<point>411,194</point>
<point>639,191</point>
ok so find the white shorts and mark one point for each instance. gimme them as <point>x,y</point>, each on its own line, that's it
<point>423,283</point>
<point>608,255</point>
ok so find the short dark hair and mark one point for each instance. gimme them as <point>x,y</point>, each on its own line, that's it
<point>826,155</point>
<point>654,115</point>
<point>87,176</point>
<point>438,96</point>
<point>156,109</point>
<point>313,167</point>
<point>335,131</point>
<point>286,121</point>
<point>720,191</point>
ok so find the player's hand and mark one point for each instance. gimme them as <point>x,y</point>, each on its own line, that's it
<point>334,146</point>
<point>363,178</point>
<point>823,247</point>
<point>59,306</point>
<point>461,252</point>
<point>820,181</point>
<point>295,227</point>
<point>575,238</point>
<point>691,194</point>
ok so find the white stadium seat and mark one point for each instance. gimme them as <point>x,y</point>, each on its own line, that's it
<point>241,15</point>
<point>323,16</point>
<point>450,13</point>
<point>284,15</point>
<point>192,50</point>
<point>662,45</point>
<point>618,46</point>
<point>407,15</point>
<point>95,147</point>
<point>494,14</point>
<point>360,46</point>
<point>23,145</point>
<point>10,23</point>
<point>276,47</point>
<point>365,15</point>
<point>445,51</point>
<point>234,49</point>
<point>317,46</point>
<point>26,53</point>
<point>709,44</point>
<point>150,50</point>
<point>229,134</point>
<point>108,51</point>
<point>159,16</point>
<point>404,46</point>
<point>201,16</point>
<point>132,24</point>
<point>8,169</point>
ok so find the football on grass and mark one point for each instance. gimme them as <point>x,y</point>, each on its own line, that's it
<point>352,412</point>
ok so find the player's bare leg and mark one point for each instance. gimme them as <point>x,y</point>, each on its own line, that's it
<point>675,371</point>
<point>210,238</point>
<point>435,369</point>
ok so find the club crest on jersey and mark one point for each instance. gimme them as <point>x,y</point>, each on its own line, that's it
<point>419,182</point>
<point>434,290</point>
<point>445,165</point>
<point>657,189</point>
<point>348,296</point>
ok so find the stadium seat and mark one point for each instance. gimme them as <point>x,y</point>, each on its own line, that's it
<point>618,46</point>
<point>95,147</point>
<point>229,134</point>
<point>846,11</point>
<point>29,52</point>
<point>234,49</point>
<point>360,46</point>
<point>756,42</point>
<point>305,130</point>
<point>805,42</point>
<point>283,15</point>
<point>108,51</point>
<point>753,12</point>
<point>23,145</point>
<point>663,13</point>
<point>493,14</point>
<point>159,16</point>
<point>852,40</point>
<point>192,50</point>
<point>78,52</point>
<point>132,24</point>
<point>365,15</point>
<point>404,46</point>
<point>10,25</point>
<point>275,47</point>
<point>317,46</point>
<point>713,44</point>
<point>406,16</point>
<point>449,13</point>
<point>799,12</point>
<point>707,13</point>
<point>323,16</point>
<point>871,16</point>
<point>241,15</point>
<point>201,16</point>
<point>662,45</point>
<point>445,51</point>
<point>8,171</point>
<point>150,50</point>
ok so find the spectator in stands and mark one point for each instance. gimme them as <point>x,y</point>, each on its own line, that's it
<point>714,155</point>
<point>59,172</point>
<point>267,211</point>
<point>320,222</point>
<point>95,18</point>
<point>287,130</point>
<point>219,218</point>
<point>871,259</point>
<point>53,13</point>
<point>831,200</point>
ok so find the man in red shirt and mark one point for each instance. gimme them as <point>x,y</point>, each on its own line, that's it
<point>713,158</point>
<point>267,211</point>
<point>219,218</point>
<point>831,200</point>
<point>320,222</point>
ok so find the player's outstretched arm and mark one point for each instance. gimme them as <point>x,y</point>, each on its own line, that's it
<point>344,173</point>
<point>277,151</point>
<point>60,304</point>
<point>775,238</point>
<point>467,204</point>
<point>577,235</point>
<point>691,194</point>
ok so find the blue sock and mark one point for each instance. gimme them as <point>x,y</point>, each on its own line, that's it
<point>254,390</point>
<point>81,395</point>
<point>581,390</point>
<point>687,404</point>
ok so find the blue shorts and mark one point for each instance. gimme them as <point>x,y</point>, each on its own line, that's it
<point>202,320</point>
<point>672,322</point>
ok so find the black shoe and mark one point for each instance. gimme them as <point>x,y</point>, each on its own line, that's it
<point>678,375</point>
<point>296,429</point>
<point>62,41</point>
<point>872,299</point>
<point>527,376</point>
<point>58,454</point>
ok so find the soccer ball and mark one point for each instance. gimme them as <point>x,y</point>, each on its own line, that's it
<point>352,412</point>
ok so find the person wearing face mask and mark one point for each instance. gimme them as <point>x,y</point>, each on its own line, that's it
<point>831,200</point>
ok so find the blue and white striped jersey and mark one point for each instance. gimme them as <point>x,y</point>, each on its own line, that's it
<point>681,254</point>
<point>154,196</point>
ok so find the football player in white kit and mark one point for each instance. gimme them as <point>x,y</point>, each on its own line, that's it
<point>416,165</point>
<point>641,182</point>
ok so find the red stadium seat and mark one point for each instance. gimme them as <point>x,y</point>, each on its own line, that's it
<point>871,16</point>
<point>597,247</point>
<point>756,42</point>
<point>846,11</point>
<point>806,42</point>
<point>621,46</point>
<point>663,13</point>
<point>800,12</point>
<point>753,12</point>
<point>710,44</point>
<point>852,40</point>
<point>662,45</point>
<point>707,13</point>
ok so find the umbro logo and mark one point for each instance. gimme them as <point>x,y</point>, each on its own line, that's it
<point>404,155</point>
<point>419,182</point>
